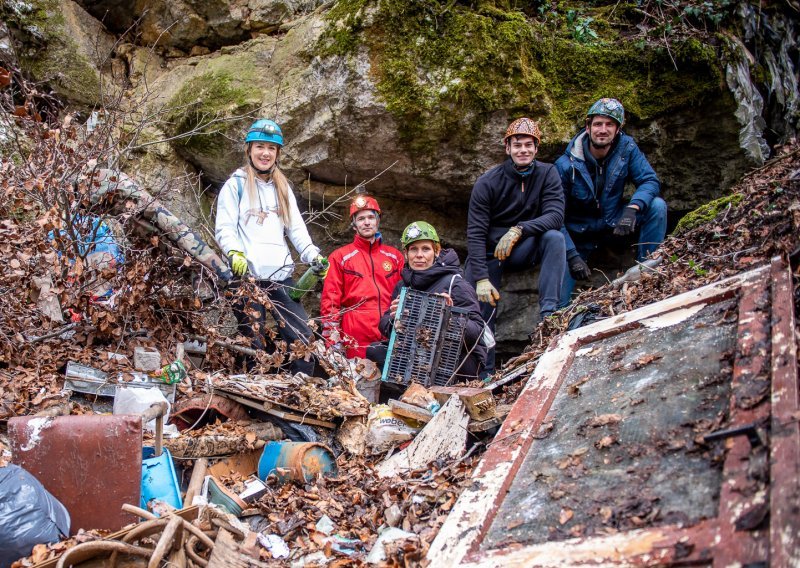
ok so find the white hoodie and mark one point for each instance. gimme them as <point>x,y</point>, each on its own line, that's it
<point>264,245</point>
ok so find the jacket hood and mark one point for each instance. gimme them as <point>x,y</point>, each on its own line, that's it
<point>445,264</point>
<point>575,146</point>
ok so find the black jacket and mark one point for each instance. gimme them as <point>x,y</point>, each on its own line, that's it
<point>440,278</point>
<point>502,198</point>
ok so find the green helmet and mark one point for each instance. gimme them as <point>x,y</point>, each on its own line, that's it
<point>611,108</point>
<point>419,231</point>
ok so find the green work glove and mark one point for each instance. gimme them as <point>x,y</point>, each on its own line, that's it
<point>320,266</point>
<point>487,292</point>
<point>238,263</point>
<point>503,249</point>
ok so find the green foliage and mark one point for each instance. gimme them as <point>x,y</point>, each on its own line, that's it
<point>583,32</point>
<point>443,67</point>
<point>697,268</point>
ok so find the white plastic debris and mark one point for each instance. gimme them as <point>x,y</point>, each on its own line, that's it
<point>325,525</point>
<point>378,552</point>
<point>274,544</point>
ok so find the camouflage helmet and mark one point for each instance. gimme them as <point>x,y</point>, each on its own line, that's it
<point>265,130</point>
<point>419,231</point>
<point>611,108</point>
<point>524,126</point>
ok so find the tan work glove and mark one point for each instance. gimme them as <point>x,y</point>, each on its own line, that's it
<point>487,292</point>
<point>503,249</point>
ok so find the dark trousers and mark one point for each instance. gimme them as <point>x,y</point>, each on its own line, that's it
<point>290,316</point>
<point>651,228</point>
<point>547,250</point>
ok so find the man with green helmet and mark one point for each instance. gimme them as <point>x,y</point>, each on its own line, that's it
<point>595,168</point>
<point>515,215</point>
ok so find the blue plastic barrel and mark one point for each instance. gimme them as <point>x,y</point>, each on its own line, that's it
<point>299,461</point>
<point>158,478</point>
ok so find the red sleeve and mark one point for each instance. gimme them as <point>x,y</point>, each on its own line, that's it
<point>332,291</point>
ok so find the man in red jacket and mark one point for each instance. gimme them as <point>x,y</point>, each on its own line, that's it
<point>359,284</point>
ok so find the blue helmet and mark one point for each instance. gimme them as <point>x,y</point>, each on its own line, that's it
<point>265,130</point>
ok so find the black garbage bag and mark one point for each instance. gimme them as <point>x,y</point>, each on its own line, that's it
<point>29,515</point>
<point>584,315</point>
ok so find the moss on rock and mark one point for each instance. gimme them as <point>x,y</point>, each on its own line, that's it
<point>51,52</point>
<point>202,108</point>
<point>707,213</point>
<point>443,67</point>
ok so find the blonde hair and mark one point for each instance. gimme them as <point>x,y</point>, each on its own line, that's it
<point>279,180</point>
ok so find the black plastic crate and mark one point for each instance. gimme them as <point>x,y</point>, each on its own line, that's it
<point>426,340</point>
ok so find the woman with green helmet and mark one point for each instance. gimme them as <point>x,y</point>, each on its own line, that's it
<point>256,211</point>
<point>429,268</point>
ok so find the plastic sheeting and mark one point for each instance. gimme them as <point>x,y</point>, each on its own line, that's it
<point>29,515</point>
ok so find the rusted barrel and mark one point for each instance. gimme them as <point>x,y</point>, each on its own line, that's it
<point>298,461</point>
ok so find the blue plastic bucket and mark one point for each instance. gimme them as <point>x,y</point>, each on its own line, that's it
<point>299,461</point>
<point>158,478</point>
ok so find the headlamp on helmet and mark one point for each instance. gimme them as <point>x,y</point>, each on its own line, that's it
<point>265,130</point>
<point>419,231</point>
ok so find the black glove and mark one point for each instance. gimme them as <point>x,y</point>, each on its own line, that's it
<point>578,268</point>
<point>627,222</point>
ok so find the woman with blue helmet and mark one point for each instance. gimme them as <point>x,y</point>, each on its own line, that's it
<point>256,212</point>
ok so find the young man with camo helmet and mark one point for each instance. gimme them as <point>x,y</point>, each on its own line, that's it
<point>595,168</point>
<point>515,215</point>
<point>361,277</point>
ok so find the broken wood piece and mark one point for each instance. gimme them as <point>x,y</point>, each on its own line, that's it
<point>269,408</point>
<point>223,443</point>
<point>228,553</point>
<point>300,418</point>
<point>196,481</point>
<point>496,420</point>
<point>479,402</point>
<point>410,411</point>
<point>445,436</point>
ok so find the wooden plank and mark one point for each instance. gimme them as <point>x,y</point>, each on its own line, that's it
<point>227,554</point>
<point>443,437</point>
<point>300,418</point>
<point>410,411</point>
<point>502,411</point>
<point>251,402</point>
<point>784,516</point>
<point>479,402</point>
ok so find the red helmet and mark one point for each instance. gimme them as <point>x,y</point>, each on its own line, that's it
<point>362,202</point>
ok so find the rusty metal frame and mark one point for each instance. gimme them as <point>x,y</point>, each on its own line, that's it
<point>764,346</point>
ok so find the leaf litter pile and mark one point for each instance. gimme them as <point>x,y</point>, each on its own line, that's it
<point>157,304</point>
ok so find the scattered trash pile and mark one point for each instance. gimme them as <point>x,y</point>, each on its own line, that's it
<point>125,398</point>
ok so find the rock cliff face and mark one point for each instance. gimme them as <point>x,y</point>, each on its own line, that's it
<point>411,99</point>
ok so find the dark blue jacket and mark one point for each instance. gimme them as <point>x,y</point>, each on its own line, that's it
<point>502,198</point>
<point>445,276</point>
<point>625,163</point>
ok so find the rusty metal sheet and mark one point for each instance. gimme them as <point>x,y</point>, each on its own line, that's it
<point>92,464</point>
<point>714,505</point>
